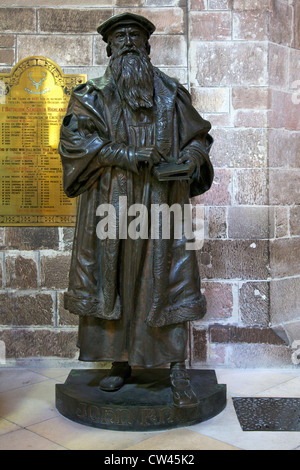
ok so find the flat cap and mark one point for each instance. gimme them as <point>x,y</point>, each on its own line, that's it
<point>125,19</point>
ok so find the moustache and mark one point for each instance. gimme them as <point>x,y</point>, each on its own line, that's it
<point>128,50</point>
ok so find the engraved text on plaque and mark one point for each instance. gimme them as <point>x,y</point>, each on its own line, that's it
<point>33,100</point>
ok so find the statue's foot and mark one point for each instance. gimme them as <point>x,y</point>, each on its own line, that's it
<point>119,372</point>
<point>183,393</point>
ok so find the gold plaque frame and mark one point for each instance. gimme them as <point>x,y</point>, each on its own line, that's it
<point>33,101</point>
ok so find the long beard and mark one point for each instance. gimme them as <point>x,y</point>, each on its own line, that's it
<point>133,73</point>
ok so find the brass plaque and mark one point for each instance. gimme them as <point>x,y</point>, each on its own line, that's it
<point>33,101</point>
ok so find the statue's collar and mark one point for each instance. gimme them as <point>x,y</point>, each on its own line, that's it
<point>106,80</point>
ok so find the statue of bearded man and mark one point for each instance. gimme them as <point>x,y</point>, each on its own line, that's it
<point>134,296</point>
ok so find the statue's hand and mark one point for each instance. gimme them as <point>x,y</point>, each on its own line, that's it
<point>86,126</point>
<point>149,155</point>
<point>190,161</point>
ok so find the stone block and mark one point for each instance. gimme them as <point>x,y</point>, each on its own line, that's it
<point>31,238</point>
<point>284,257</point>
<point>295,221</point>
<point>226,63</point>
<point>160,3</point>
<point>219,4</point>
<point>129,3</point>
<point>220,120</point>
<point>234,259</point>
<point>296,43</point>
<point>279,221</point>
<point>219,194</point>
<point>5,69</point>
<point>59,3</point>
<point>250,98</point>
<point>217,221</point>
<point>2,238</point>
<point>147,3</point>
<point>278,66</point>
<point>251,118</point>
<point>294,71</point>
<point>254,303</point>
<point>18,20</point>
<point>24,343</point>
<point>258,355</point>
<point>68,237</point>
<point>219,298</point>
<point>252,5</point>
<point>210,26</point>
<point>99,53</point>
<point>1,270</point>
<point>281,23</point>
<point>285,110</point>
<point>55,270</point>
<point>167,20</point>
<point>248,335</point>
<point>250,25</point>
<point>169,50</point>
<point>284,300</point>
<point>199,350</point>
<point>284,148</point>
<point>250,223</point>
<point>21,271</point>
<point>250,187</point>
<point>19,308</point>
<point>7,56</point>
<point>210,100</point>
<point>198,5</point>
<point>7,40</point>
<point>217,354</point>
<point>239,148</point>
<point>91,71</point>
<point>64,50</point>
<point>179,73</point>
<point>75,21</point>
<point>65,318</point>
<point>284,187</point>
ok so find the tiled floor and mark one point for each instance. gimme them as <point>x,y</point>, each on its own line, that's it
<point>30,421</point>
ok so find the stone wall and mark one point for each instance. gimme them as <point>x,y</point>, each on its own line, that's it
<point>241,61</point>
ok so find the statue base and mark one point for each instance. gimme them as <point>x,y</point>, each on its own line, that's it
<point>144,403</point>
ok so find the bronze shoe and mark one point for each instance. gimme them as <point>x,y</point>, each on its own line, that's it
<point>183,393</point>
<point>119,372</point>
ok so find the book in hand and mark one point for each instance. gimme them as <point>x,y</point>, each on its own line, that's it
<point>172,171</point>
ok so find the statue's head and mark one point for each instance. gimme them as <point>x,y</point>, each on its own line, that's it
<point>127,37</point>
<point>126,32</point>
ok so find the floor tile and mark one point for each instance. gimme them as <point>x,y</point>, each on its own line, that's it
<point>252,381</point>
<point>75,436</point>
<point>7,426</point>
<point>181,439</point>
<point>26,440</point>
<point>29,405</point>
<point>53,373</point>
<point>27,400</point>
<point>291,389</point>
<point>11,379</point>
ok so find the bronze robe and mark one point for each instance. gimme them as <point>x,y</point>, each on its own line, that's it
<point>133,297</point>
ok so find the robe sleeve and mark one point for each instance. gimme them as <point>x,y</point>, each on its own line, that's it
<point>195,142</point>
<point>85,146</point>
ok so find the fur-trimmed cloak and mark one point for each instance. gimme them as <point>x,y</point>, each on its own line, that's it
<point>107,276</point>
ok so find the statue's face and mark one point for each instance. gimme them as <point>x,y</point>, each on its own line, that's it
<point>124,40</point>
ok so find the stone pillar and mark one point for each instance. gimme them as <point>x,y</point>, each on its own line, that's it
<point>284,164</point>
<point>244,67</point>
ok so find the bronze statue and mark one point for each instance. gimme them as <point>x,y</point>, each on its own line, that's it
<point>133,134</point>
